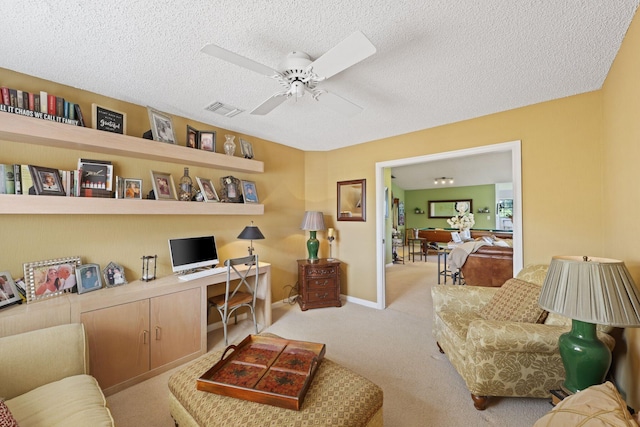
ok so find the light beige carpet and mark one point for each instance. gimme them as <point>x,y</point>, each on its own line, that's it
<point>393,348</point>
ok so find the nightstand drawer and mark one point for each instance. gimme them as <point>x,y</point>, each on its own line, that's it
<point>321,271</point>
<point>321,282</point>
<point>322,295</point>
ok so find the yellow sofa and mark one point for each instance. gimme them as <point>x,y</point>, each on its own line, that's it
<point>44,379</point>
<point>494,357</point>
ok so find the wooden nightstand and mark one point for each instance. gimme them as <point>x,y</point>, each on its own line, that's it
<point>318,283</point>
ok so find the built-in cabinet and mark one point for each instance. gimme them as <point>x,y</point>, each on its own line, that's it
<point>133,339</point>
<point>28,130</point>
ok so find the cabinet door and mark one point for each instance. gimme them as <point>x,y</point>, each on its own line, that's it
<point>118,342</point>
<point>175,326</point>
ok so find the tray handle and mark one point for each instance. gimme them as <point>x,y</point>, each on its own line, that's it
<point>231,347</point>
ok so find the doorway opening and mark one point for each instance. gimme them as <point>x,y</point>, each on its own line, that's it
<point>513,147</point>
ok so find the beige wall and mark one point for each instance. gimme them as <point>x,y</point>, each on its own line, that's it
<point>124,239</point>
<point>620,199</point>
<point>561,179</point>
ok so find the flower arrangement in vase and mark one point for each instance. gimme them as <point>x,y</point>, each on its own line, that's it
<point>464,219</point>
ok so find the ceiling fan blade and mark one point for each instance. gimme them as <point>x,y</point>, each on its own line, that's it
<point>234,58</point>
<point>268,105</point>
<point>339,104</point>
<point>348,52</point>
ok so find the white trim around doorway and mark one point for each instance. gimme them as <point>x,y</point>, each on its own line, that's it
<point>516,165</point>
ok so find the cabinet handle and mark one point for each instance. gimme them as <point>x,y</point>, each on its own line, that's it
<point>144,336</point>
<point>158,333</point>
<point>322,296</point>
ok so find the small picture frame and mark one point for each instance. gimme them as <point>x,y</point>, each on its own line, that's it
<point>132,188</point>
<point>50,278</point>
<point>249,193</point>
<point>207,140</point>
<point>246,149</point>
<point>113,275</point>
<point>46,181</point>
<point>162,126</point>
<point>8,290</point>
<point>192,137</point>
<point>207,190</point>
<point>108,120</point>
<point>230,189</point>
<point>96,174</point>
<point>88,276</point>
<point>163,187</point>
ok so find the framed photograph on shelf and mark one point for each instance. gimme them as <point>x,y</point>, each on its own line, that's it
<point>50,278</point>
<point>46,181</point>
<point>246,148</point>
<point>192,137</point>
<point>88,276</point>
<point>132,188</point>
<point>163,187</point>
<point>114,275</point>
<point>230,189</point>
<point>207,140</point>
<point>207,190</point>
<point>96,174</point>
<point>249,193</point>
<point>8,290</point>
<point>108,120</point>
<point>162,126</point>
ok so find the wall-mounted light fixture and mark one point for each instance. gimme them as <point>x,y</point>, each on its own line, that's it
<point>442,181</point>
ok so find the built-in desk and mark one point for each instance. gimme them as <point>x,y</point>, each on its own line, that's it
<point>140,329</point>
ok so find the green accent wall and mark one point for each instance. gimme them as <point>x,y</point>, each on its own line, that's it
<point>482,196</point>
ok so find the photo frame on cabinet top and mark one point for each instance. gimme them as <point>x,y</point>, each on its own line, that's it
<point>50,278</point>
<point>8,290</point>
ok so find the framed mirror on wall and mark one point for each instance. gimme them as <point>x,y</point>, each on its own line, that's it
<point>446,208</point>
<point>352,199</point>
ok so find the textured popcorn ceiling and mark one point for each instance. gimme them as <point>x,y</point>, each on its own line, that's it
<point>437,61</point>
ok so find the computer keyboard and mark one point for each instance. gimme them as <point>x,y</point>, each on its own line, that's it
<point>202,273</point>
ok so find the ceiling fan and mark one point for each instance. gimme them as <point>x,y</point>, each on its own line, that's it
<point>299,74</point>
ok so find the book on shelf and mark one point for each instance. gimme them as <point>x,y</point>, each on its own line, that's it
<point>51,107</point>
<point>5,96</point>
<point>60,106</point>
<point>25,101</point>
<point>79,116</point>
<point>44,103</point>
<point>36,102</point>
<point>19,99</point>
<point>27,181</point>
<point>8,185</point>
<point>17,177</point>
<point>13,97</point>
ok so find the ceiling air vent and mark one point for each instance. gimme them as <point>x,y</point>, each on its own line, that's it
<point>223,109</point>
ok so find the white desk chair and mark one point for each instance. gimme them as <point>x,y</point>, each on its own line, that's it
<point>234,298</point>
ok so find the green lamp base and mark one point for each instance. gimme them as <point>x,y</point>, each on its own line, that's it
<point>313,245</point>
<point>586,359</point>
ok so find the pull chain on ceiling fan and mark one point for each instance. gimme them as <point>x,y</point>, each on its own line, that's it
<point>298,74</point>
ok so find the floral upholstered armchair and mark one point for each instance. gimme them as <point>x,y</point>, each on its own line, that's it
<point>499,339</point>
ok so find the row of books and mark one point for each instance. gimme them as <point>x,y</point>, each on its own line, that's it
<point>23,102</point>
<point>91,179</point>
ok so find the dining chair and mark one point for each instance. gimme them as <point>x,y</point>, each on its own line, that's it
<point>241,294</point>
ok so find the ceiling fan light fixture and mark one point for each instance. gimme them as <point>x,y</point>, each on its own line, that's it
<point>223,109</point>
<point>297,89</point>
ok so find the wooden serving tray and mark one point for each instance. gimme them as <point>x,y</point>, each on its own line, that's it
<point>275,371</point>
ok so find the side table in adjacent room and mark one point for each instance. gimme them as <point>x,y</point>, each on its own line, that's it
<point>318,283</point>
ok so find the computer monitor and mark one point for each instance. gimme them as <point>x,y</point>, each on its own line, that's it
<point>193,252</point>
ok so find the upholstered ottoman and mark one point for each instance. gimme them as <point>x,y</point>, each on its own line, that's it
<point>337,397</point>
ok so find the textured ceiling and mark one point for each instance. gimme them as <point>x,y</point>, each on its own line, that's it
<point>437,61</point>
